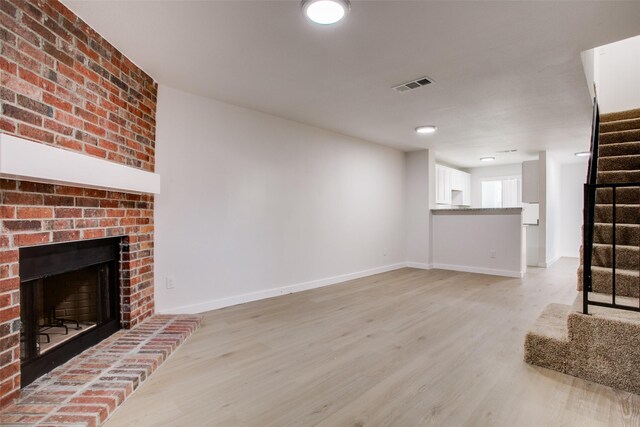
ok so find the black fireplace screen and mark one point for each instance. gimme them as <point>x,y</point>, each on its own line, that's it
<point>68,301</point>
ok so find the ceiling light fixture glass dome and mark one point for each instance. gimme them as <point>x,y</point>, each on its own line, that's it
<point>325,12</point>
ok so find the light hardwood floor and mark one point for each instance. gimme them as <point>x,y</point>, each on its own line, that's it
<point>404,348</point>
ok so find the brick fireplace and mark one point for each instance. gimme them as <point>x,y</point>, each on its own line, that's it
<point>64,85</point>
<point>69,301</point>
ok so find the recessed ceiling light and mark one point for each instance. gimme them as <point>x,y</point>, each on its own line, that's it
<point>487,159</point>
<point>582,154</point>
<point>325,12</point>
<point>422,130</point>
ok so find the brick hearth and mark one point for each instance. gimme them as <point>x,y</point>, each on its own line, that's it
<point>90,387</point>
<point>62,84</point>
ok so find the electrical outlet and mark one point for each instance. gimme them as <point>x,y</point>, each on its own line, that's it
<point>492,253</point>
<point>171,282</point>
<point>384,252</point>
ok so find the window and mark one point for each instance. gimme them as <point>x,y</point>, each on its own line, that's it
<point>503,192</point>
<point>491,194</point>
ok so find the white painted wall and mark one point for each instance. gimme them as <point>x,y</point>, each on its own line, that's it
<point>616,74</point>
<point>591,68</point>
<point>464,242</point>
<point>533,244</point>
<point>254,206</point>
<point>420,197</point>
<point>559,231</point>
<point>558,208</point>
<point>572,178</point>
<point>542,209</point>
<point>477,174</point>
<point>553,210</point>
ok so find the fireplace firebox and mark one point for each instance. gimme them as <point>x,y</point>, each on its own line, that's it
<point>69,301</point>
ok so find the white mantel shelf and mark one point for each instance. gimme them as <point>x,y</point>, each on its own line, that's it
<point>32,161</point>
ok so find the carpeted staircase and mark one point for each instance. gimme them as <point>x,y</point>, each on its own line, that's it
<point>603,346</point>
<point>618,161</point>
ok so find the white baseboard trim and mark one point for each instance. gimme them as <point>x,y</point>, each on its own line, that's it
<point>480,270</point>
<point>420,265</point>
<point>549,263</point>
<point>274,292</point>
<point>553,261</point>
<point>304,286</point>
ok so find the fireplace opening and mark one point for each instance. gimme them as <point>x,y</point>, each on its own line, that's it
<point>69,301</point>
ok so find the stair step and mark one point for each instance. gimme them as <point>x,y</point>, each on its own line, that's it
<point>627,281</point>
<point>603,346</point>
<point>618,163</point>
<point>620,115</point>
<point>547,342</point>
<point>552,322</point>
<point>625,214</point>
<point>617,177</point>
<point>627,257</point>
<point>619,149</point>
<point>626,234</point>
<point>618,125</point>
<point>620,136</point>
<point>600,346</point>
<point>624,195</point>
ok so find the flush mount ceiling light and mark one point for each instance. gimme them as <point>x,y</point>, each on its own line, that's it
<point>325,12</point>
<point>423,130</point>
<point>487,159</point>
<point>582,154</point>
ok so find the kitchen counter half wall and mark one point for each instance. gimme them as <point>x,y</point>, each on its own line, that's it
<point>486,241</point>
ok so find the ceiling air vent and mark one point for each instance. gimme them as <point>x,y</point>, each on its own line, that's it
<point>413,84</point>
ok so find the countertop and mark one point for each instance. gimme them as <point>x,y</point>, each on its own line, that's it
<point>478,211</point>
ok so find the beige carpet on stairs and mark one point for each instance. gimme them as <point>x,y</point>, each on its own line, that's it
<point>618,161</point>
<point>603,346</point>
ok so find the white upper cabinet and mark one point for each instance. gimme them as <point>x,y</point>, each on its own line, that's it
<point>453,187</point>
<point>457,180</point>
<point>443,185</point>
<point>466,190</point>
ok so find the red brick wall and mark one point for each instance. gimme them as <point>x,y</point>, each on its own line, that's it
<point>64,85</point>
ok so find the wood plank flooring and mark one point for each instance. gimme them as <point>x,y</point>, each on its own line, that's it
<point>404,348</point>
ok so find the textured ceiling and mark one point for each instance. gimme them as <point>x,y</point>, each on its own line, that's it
<point>507,74</point>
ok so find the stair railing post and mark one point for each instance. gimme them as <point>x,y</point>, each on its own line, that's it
<point>587,248</point>
<point>613,247</point>
<point>589,207</point>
